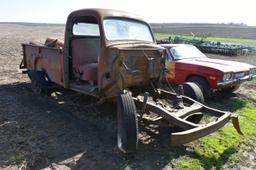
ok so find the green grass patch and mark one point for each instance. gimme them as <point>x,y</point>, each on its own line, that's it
<point>215,150</point>
<point>187,163</point>
<point>163,35</point>
<point>126,164</point>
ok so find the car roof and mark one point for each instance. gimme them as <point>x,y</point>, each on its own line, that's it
<point>174,45</point>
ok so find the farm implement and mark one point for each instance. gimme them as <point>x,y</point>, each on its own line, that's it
<point>211,46</point>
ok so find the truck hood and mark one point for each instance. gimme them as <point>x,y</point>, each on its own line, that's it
<point>221,65</point>
<point>136,64</point>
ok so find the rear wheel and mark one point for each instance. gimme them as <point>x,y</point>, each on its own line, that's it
<point>193,91</point>
<point>203,84</point>
<point>127,124</point>
<point>36,87</point>
<point>39,81</point>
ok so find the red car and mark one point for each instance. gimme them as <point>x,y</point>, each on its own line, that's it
<point>187,63</point>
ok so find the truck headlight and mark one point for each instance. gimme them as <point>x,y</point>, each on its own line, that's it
<point>227,76</point>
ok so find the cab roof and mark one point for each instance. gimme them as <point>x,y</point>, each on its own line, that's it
<point>104,13</point>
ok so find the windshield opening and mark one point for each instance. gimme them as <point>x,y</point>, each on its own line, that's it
<point>123,29</point>
<point>186,52</point>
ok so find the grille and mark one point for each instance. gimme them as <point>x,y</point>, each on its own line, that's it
<point>240,74</point>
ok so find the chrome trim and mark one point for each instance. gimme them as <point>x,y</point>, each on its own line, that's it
<point>236,80</point>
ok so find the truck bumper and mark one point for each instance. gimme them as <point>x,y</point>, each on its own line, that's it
<point>186,118</point>
<point>235,81</point>
<point>195,133</point>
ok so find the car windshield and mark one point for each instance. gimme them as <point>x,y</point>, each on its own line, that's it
<point>186,52</point>
<point>122,29</point>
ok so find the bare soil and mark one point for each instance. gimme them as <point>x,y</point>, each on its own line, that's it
<point>212,30</point>
<point>60,131</point>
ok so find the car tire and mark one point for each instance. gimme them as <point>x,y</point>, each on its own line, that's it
<point>127,124</point>
<point>193,91</point>
<point>203,84</point>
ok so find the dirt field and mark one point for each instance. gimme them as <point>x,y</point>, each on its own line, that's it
<point>59,131</point>
<point>212,30</point>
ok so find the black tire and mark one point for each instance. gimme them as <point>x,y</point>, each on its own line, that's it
<point>127,124</point>
<point>203,84</point>
<point>39,81</point>
<point>193,91</point>
<point>36,87</point>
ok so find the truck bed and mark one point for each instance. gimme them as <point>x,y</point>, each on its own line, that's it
<point>40,57</point>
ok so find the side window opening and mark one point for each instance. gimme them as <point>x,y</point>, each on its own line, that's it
<point>86,26</point>
<point>86,29</point>
<point>85,49</point>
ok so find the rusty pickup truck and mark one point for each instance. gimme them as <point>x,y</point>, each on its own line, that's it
<point>112,55</point>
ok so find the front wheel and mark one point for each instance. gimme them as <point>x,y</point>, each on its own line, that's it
<point>203,84</point>
<point>193,91</point>
<point>127,124</point>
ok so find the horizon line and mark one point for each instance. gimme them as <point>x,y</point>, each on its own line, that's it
<point>50,23</point>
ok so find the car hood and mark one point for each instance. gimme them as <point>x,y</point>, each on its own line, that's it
<point>221,65</point>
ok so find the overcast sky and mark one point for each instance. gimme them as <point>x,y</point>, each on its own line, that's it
<point>162,11</point>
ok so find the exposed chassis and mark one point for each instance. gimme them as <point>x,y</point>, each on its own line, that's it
<point>179,117</point>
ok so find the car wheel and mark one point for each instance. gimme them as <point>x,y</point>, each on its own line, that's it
<point>203,84</point>
<point>193,91</point>
<point>127,124</point>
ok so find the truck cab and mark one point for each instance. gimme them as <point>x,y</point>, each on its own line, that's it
<point>106,51</point>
